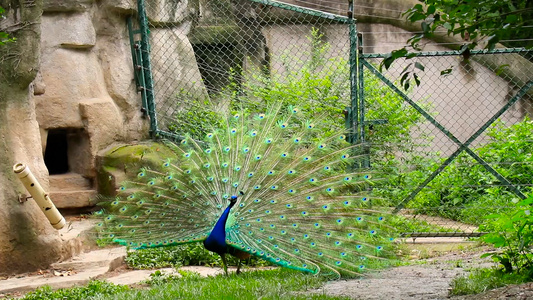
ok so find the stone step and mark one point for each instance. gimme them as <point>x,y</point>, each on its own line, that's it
<point>73,199</point>
<point>54,280</point>
<point>109,257</point>
<point>69,182</point>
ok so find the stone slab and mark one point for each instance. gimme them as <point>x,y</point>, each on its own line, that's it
<point>73,199</point>
<point>69,181</point>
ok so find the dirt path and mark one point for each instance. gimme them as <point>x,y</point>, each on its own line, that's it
<point>425,279</point>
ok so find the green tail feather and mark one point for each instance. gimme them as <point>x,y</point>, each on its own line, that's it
<point>298,205</point>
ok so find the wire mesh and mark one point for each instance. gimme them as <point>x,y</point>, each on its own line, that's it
<point>472,98</point>
<point>226,55</point>
<point>235,54</point>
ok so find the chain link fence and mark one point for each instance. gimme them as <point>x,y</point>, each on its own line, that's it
<point>460,143</point>
<point>454,148</point>
<point>230,55</point>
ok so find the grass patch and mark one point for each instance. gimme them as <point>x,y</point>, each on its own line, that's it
<point>270,284</point>
<point>481,280</point>
<point>95,288</point>
<point>183,255</point>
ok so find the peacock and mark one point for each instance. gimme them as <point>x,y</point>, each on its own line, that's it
<point>265,185</point>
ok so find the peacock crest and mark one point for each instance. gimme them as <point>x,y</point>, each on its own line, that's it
<point>267,185</point>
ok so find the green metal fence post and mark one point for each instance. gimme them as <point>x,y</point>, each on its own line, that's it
<point>354,112</point>
<point>136,56</point>
<point>147,68</point>
<point>354,101</point>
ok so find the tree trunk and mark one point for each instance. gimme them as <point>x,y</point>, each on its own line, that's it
<point>27,240</point>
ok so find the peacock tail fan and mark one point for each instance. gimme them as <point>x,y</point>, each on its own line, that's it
<point>300,204</point>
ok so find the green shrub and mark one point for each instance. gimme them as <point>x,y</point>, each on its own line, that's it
<point>94,288</point>
<point>465,190</point>
<point>183,255</point>
<point>481,280</point>
<point>512,233</point>
<point>195,117</point>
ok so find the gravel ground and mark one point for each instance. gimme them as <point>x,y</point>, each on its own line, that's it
<point>425,279</point>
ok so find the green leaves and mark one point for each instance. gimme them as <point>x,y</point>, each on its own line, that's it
<point>513,233</point>
<point>4,37</point>
<point>486,20</point>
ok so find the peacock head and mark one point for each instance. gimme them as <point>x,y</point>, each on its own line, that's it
<point>233,199</point>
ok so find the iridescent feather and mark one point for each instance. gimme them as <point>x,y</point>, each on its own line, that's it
<point>296,202</point>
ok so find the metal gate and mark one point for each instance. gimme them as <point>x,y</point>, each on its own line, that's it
<point>194,62</point>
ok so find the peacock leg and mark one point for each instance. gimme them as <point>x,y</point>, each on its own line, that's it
<point>224,263</point>
<point>239,267</point>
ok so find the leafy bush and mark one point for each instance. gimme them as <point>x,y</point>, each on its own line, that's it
<point>480,280</point>
<point>512,232</point>
<point>195,117</point>
<point>93,289</point>
<point>184,255</point>
<point>465,190</point>
<point>4,37</point>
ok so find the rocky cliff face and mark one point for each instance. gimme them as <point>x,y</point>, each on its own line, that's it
<point>67,91</point>
<point>85,91</point>
<point>85,87</point>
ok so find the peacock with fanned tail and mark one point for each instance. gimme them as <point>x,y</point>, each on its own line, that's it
<point>265,185</point>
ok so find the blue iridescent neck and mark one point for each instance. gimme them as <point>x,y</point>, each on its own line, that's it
<point>216,241</point>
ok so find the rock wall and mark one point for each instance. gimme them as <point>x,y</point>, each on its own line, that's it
<point>72,78</point>
<point>86,83</point>
<point>27,241</point>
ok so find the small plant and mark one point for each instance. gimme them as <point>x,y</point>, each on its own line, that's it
<point>194,117</point>
<point>184,255</point>
<point>4,37</point>
<point>95,288</point>
<point>513,233</point>
<point>465,189</point>
<point>480,280</point>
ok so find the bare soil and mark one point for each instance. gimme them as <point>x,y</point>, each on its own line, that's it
<point>424,279</point>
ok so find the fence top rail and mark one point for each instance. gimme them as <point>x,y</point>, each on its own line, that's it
<point>305,10</point>
<point>452,52</point>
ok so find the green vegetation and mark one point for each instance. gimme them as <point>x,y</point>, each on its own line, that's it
<point>465,190</point>
<point>512,233</point>
<point>92,290</point>
<point>481,280</point>
<point>4,37</point>
<point>270,284</point>
<point>184,255</point>
<point>494,21</point>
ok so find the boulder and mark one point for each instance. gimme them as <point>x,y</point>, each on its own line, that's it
<point>70,76</point>
<point>68,31</point>
<point>103,123</point>
<point>67,5</point>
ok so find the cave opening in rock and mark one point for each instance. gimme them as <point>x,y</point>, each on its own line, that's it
<point>56,152</point>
